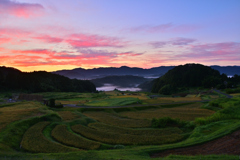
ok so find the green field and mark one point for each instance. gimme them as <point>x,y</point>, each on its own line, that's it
<point>31,130</point>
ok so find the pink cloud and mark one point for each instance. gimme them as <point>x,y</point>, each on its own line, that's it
<point>18,9</point>
<point>214,52</point>
<point>84,40</point>
<point>48,39</point>
<point>4,40</point>
<point>34,51</point>
<point>13,35</point>
<point>16,32</point>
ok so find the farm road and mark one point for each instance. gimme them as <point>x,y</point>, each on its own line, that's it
<point>227,95</point>
<point>129,106</point>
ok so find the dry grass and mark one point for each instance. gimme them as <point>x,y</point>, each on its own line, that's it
<point>112,93</point>
<point>68,115</point>
<point>187,112</point>
<point>61,134</point>
<point>34,141</point>
<point>126,139</point>
<point>19,111</point>
<point>113,119</point>
<point>235,94</point>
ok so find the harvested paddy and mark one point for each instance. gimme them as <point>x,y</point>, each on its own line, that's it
<point>186,112</point>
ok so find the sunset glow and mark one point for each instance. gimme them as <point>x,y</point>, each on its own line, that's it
<point>57,34</point>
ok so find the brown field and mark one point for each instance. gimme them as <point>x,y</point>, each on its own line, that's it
<point>186,112</point>
<point>227,145</point>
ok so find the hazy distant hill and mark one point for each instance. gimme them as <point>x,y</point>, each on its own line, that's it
<point>228,70</point>
<point>156,72</point>
<point>123,81</point>
<point>81,73</point>
<point>12,79</point>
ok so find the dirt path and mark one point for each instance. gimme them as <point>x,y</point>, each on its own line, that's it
<point>229,144</point>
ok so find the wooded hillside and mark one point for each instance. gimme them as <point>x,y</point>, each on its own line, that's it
<point>12,79</point>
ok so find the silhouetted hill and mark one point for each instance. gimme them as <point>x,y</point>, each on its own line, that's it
<point>122,81</point>
<point>188,75</point>
<point>12,79</point>
<point>156,72</point>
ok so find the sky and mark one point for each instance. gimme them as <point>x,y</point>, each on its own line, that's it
<point>65,34</point>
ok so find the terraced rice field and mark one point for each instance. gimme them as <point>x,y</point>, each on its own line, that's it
<point>18,111</point>
<point>141,131</point>
<point>34,141</point>
<point>68,115</point>
<point>61,134</point>
<point>126,139</point>
<point>187,112</point>
<point>114,119</point>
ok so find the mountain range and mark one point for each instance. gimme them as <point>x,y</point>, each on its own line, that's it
<point>80,73</point>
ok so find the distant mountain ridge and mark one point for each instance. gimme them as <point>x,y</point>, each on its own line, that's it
<point>94,73</point>
<point>155,72</point>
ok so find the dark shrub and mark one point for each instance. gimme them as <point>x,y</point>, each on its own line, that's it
<point>167,122</point>
<point>51,102</point>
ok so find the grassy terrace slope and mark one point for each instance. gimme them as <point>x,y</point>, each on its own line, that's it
<point>30,130</point>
